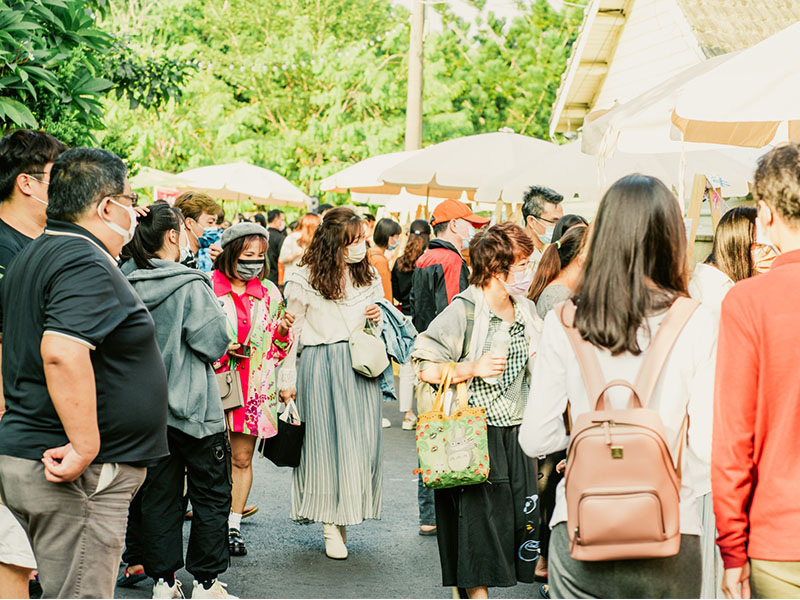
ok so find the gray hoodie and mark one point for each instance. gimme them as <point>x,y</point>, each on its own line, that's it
<point>191,333</point>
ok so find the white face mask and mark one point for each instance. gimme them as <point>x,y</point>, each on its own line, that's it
<point>522,283</point>
<point>356,252</point>
<point>39,200</point>
<point>470,234</point>
<point>761,236</point>
<point>126,234</point>
<point>547,236</point>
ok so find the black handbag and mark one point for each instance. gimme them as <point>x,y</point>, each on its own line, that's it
<point>284,448</point>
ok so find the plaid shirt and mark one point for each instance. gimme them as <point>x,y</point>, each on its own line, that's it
<point>505,400</point>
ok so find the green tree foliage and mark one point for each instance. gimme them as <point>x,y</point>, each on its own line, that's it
<point>305,87</point>
<point>56,66</point>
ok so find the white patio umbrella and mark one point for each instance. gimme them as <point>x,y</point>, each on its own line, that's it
<point>364,177</point>
<point>465,164</point>
<point>751,100</point>
<point>148,177</point>
<point>243,181</point>
<point>569,171</point>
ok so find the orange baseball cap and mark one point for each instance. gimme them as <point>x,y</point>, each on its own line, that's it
<point>452,209</point>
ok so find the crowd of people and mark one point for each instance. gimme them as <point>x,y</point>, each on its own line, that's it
<point>639,420</point>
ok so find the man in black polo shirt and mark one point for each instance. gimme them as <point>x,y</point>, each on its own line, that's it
<point>84,383</point>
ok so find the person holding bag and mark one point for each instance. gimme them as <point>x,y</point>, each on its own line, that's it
<point>487,532</point>
<point>631,299</point>
<point>261,331</point>
<point>336,384</point>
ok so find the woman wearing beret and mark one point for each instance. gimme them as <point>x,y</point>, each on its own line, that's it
<point>261,334</point>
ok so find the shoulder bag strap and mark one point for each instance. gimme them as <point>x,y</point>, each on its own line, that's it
<point>587,358</point>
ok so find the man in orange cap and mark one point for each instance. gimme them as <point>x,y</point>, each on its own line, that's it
<point>441,271</point>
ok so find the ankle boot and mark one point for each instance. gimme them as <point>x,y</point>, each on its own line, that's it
<point>343,532</point>
<point>334,544</point>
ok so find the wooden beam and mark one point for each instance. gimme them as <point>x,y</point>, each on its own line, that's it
<point>695,202</point>
<point>593,68</point>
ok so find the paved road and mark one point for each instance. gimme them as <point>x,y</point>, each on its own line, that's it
<point>387,557</point>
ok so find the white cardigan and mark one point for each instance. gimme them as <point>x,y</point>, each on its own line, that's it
<point>321,321</point>
<point>688,377</point>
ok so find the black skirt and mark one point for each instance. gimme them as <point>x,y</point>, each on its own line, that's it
<point>489,533</point>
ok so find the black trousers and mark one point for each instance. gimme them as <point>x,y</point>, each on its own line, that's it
<point>548,481</point>
<point>206,463</point>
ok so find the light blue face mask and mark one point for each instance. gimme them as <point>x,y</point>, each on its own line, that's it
<point>547,236</point>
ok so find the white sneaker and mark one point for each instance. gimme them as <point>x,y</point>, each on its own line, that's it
<point>386,423</point>
<point>162,590</point>
<point>217,590</point>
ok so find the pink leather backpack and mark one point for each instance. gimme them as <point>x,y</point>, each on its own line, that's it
<point>622,487</point>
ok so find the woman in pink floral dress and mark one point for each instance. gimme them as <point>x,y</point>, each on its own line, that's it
<point>261,335</point>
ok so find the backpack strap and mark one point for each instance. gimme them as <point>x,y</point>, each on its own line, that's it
<point>656,355</point>
<point>587,359</point>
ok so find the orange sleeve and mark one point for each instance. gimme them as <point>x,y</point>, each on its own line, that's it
<point>381,263</point>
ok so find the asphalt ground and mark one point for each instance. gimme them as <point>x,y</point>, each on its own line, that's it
<point>387,558</point>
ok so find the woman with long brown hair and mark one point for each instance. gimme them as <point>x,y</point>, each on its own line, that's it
<point>558,270</point>
<point>338,482</point>
<point>296,243</point>
<point>634,272</point>
<point>730,260</point>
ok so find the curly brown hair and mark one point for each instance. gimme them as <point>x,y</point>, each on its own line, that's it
<point>493,251</point>
<point>777,181</point>
<point>325,255</point>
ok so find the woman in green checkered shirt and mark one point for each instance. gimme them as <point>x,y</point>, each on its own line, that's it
<point>488,533</point>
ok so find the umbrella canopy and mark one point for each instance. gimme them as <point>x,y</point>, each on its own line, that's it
<point>364,177</point>
<point>744,101</point>
<point>569,171</point>
<point>464,164</point>
<point>243,181</point>
<point>148,177</point>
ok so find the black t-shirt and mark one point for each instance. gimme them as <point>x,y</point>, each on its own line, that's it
<point>276,238</point>
<point>65,283</point>
<point>11,242</point>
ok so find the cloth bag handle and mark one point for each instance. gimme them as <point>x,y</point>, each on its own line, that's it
<point>290,414</point>
<point>448,370</point>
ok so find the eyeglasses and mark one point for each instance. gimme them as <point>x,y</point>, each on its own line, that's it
<point>520,267</point>
<point>31,175</point>
<point>134,198</point>
<point>548,221</point>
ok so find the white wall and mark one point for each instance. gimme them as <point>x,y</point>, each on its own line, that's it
<point>656,43</point>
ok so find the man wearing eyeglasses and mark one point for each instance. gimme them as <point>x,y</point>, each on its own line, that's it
<point>25,161</point>
<point>85,385</point>
<point>26,158</point>
<point>541,210</point>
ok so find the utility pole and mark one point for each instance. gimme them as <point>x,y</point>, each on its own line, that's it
<point>414,101</point>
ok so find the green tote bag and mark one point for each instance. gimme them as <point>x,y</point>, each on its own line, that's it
<point>453,449</point>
